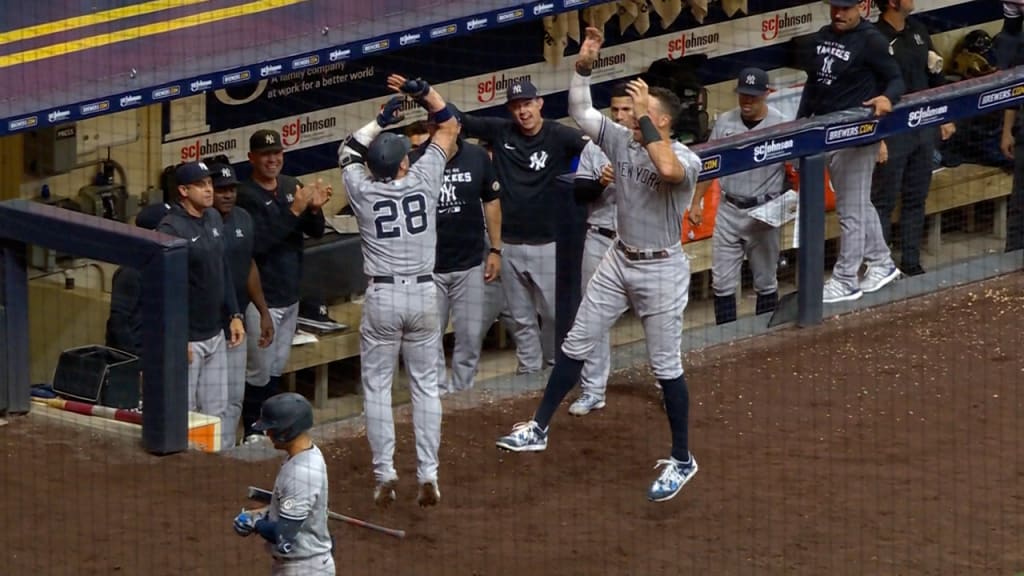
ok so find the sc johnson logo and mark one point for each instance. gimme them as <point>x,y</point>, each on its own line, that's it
<point>476,24</point>
<point>848,132</point>
<point>58,115</point>
<point>994,97</point>
<point>292,132</point>
<point>692,43</point>
<point>442,31</point>
<point>543,8</point>
<point>486,90</point>
<point>200,149</point>
<point>340,55</point>
<point>927,115</point>
<point>785,24</point>
<point>200,85</point>
<point>772,149</point>
<point>711,164</point>
<point>407,39</point>
<point>510,16</point>
<point>270,70</point>
<point>130,100</point>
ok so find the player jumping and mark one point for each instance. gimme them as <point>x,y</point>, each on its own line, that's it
<point>654,183</point>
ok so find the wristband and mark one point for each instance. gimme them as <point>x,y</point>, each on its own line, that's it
<point>442,115</point>
<point>495,251</point>
<point>583,69</point>
<point>648,130</point>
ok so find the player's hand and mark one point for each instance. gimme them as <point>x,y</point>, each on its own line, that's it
<point>189,353</point>
<point>301,199</point>
<point>266,329</point>
<point>592,40</point>
<point>416,88</point>
<point>391,112</point>
<point>321,194</point>
<point>237,330</point>
<point>492,268</point>
<point>607,176</point>
<point>638,91</point>
<point>1007,144</point>
<point>245,523</point>
<point>883,153</point>
<point>881,104</point>
<point>696,214</point>
<point>947,130</point>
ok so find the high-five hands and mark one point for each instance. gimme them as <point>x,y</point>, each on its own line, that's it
<point>592,40</point>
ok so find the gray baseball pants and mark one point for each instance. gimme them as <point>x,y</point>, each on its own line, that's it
<point>236,359</point>
<point>528,275</point>
<point>208,376</point>
<point>319,565</point>
<point>738,235</point>
<point>460,297</point>
<point>594,377</point>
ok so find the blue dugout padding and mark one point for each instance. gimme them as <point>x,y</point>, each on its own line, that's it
<point>163,262</point>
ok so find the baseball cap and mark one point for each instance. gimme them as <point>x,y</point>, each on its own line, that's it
<point>223,175</point>
<point>150,216</point>
<point>752,82</point>
<point>842,3</point>
<point>265,141</point>
<point>521,90</point>
<point>385,154</point>
<point>191,172</point>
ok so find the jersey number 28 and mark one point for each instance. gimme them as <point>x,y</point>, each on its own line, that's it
<point>413,210</point>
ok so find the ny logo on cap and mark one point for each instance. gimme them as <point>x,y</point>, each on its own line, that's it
<point>270,138</point>
<point>751,80</point>
<point>517,89</point>
<point>202,165</point>
<point>225,172</point>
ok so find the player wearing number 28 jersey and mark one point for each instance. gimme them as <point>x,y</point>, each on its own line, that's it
<point>395,205</point>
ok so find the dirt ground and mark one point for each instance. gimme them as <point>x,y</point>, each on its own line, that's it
<point>883,442</point>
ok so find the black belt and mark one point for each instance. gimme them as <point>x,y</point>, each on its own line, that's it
<point>606,232</point>
<point>391,279</point>
<point>634,254</point>
<point>745,203</point>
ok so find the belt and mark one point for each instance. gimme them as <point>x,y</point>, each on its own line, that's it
<point>744,203</point>
<point>392,279</point>
<point>635,254</point>
<point>606,232</point>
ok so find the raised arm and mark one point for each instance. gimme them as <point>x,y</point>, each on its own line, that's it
<point>581,107</point>
<point>425,95</point>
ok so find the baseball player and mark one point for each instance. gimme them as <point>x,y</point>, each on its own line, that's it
<point>851,67</point>
<point>654,182</point>
<point>460,268</point>
<point>904,169</point>
<point>294,525</point>
<point>238,242</point>
<point>283,210</point>
<point>395,205</point>
<point>737,234</point>
<point>211,293</point>
<point>529,154</point>
<point>594,187</point>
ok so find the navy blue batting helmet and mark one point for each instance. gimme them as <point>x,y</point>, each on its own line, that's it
<point>285,416</point>
<point>386,153</point>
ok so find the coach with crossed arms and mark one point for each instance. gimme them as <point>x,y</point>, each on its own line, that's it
<point>851,67</point>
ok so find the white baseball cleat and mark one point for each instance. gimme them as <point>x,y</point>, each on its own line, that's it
<point>585,404</point>
<point>525,437</point>
<point>834,292</point>
<point>430,494</point>
<point>384,493</point>
<point>878,277</point>
<point>674,475</point>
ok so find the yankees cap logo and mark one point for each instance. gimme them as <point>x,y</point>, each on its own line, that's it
<point>225,172</point>
<point>270,139</point>
<point>517,89</point>
<point>751,80</point>
<point>202,165</point>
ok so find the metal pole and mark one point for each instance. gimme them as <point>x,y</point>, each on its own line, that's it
<point>811,256</point>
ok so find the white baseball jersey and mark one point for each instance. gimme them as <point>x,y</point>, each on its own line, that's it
<point>761,180</point>
<point>649,212</point>
<point>398,218</point>
<point>600,212</point>
<point>300,494</point>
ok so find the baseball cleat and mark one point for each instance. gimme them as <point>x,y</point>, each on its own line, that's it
<point>878,277</point>
<point>834,292</point>
<point>585,404</point>
<point>384,493</point>
<point>525,437</point>
<point>430,494</point>
<point>674,474</point>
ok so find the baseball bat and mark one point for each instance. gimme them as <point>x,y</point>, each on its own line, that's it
<point>264,496</point>
<point>92,410</point>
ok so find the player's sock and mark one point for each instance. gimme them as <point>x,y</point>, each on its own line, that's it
<point>677,405</point>
<point>251,408</point>
<point>725,309</point>
<point>766,302</point>
<point>563,378</point>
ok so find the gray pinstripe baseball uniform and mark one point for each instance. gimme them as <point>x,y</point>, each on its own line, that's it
<point>301,494</point>
<point>397,222</point>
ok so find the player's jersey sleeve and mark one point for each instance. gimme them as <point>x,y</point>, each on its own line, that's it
<point>587,169</point>
<point>298,489</point>
<point>691,165</point>
<point>429,169</point>
<point>613,139</point>
<point>718,130</point>
<point>355,176</point>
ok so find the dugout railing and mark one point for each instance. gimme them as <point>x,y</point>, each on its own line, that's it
<point>163,263</point>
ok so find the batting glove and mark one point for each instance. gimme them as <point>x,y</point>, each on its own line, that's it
<point>391,112</point>
<point>416,89</point>
<point>245,523</point>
